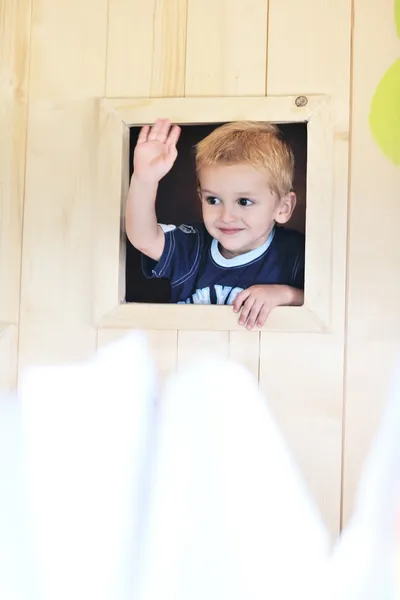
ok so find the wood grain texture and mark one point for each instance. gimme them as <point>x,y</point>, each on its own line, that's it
<point>169,49</point>
<point>226,47</point>
<point>193,110</point>
<point>200,345</point>
<point>309,50</point>
<point>108,220</point>
<point>57,266</point>
<point>244,348</point>
<point>301,377</point>
<point>15,17</point>
<point>146,48</point>
<point>68,51</point>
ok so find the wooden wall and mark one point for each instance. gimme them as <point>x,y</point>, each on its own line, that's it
<point>63,55</point>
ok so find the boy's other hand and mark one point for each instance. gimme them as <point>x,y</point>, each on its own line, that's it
<point>155,151</point>
<point>256,302</point>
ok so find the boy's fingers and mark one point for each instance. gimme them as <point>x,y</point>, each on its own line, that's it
<point>165,126</point>
<point>247,307</point>
<point>172,153</point>
<point>264,314</point>
<point>173,136</point>
<point>252,318</point>
<point>240,298</point>
<point>157,131</point>
<point>143,134</point>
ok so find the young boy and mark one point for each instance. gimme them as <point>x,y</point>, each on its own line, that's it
<point>238,256</point>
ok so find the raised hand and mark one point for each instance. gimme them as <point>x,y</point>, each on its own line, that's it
<point>155,151</point>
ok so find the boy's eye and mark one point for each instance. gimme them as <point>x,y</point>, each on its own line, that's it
<point>213,200</point>
<point>245,202</point>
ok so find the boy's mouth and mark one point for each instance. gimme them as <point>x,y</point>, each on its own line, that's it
<point>229,230</point>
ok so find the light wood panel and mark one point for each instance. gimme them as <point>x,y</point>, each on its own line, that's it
<point>162,344</point>
<point>146,48</point>
<point>57,266</point>
<point>200,345</point>
<point>301,377</point>
<point>15,18</point>
<point>169,48</point>
<point>68,52</point>
<point>194,110</point>
<point>197,317</point>
<point>373,337</point>
<point>309,45</point>
<point>226,47</point>
<point>309,50</point>
<point>244,347</point>
<point>108,219</point>
<point>14,61</point>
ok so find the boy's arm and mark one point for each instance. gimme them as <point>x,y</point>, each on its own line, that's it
<point>292,296</point>
<point>142,228</point>
<point>155,154</point>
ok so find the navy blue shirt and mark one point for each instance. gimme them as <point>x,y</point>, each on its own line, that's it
<point>199,274</point>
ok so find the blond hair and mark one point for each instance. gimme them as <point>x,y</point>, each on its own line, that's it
<point>257,144</point>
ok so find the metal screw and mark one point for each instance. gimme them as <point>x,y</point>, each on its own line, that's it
<point>301,101</point>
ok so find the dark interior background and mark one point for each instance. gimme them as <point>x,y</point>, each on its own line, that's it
<point>177,201</point>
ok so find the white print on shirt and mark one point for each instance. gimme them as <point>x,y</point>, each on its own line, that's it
<point>187,229</point>
<point>225,294</point>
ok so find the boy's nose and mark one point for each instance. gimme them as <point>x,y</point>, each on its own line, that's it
<point>227,215</point>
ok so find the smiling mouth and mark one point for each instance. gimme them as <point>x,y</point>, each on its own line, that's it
<point>229,231</point>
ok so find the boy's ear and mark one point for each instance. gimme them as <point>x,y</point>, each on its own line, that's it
<point>285,208</point>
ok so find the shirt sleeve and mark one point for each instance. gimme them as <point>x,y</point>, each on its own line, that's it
<point>180,257</point>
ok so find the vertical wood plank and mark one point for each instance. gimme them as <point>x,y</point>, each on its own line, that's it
<point>163,347</point>
<point>14,67</point>
<point>68,53</point>
<point>146,48</point>
<point>169,49</point>
<point>111,190</point>
<point>309,50</point>
<point>67,73</point>
<point>373,332</point>
<point>15,17</point>
<point>226,47</point>
<point>57,266</point>
<point>301,377</point>
<point>244,348</point>
<point>198,345</point>
<point>130,47</point>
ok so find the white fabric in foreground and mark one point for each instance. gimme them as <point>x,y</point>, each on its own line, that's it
<point>110,492</point>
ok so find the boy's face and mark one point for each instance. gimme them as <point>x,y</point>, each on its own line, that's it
<point>239,207</point>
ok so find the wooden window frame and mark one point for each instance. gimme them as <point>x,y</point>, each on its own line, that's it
<point>116,116</point>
